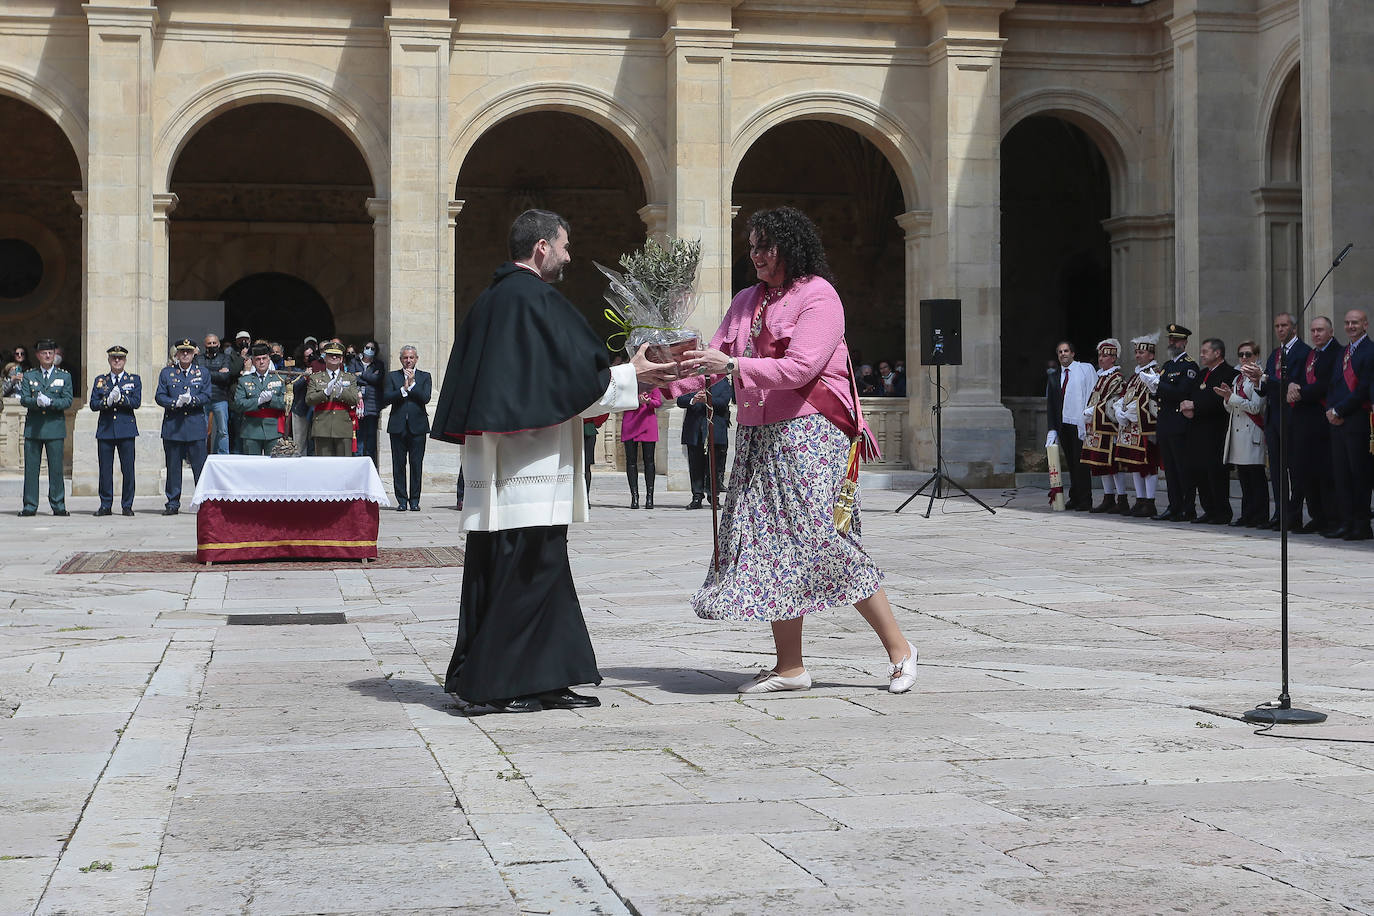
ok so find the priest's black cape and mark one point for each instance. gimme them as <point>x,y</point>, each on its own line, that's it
<point>524,359</point>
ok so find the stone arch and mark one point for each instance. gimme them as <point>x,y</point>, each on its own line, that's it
<point>1280,128</point>
<point>864,117</point>
<point>54,100</point>
<point>601,109</point>
<point>331,102</point>
<point>1103,125</point>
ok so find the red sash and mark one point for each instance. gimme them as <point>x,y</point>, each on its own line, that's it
<point>352,414</point>
<point>263,413</point>
<point>1311,373</point>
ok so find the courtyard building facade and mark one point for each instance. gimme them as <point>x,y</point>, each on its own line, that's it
<point>349,167</point>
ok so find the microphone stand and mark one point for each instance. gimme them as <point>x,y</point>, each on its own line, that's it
<point>1282,711</point>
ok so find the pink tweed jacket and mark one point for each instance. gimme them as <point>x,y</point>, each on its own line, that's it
<point>802,337</point>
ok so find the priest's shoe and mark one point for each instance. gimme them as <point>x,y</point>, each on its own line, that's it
<point>519,704</point>
<point>566,699</point>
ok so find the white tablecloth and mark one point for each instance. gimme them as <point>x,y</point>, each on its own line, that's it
<point>257,478</point>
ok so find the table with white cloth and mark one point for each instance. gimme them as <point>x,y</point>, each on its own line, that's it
<point>254,507</point>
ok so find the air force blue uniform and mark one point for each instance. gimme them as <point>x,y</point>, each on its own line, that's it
<point>115,431</point>
<point>184,427</point>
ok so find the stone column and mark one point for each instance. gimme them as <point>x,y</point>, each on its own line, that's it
<point>963,260</point>
<point>1215,163</point>
<point>419,269</point>
<point>918,433</point>
<point>1337,134</point>
<point>119,303</point>
<point>1142,293</point>
<point>698,43</point>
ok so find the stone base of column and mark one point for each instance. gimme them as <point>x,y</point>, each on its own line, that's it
<point>149,461</point>
<point>979,445</point>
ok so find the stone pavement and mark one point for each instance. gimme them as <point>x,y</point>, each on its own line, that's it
<point>155,759</point>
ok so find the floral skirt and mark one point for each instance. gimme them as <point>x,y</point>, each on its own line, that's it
<point>781,556</point>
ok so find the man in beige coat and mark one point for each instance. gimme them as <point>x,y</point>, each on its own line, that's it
<point>334,395</point>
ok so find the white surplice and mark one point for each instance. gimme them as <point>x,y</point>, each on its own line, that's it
<point>535,478</point>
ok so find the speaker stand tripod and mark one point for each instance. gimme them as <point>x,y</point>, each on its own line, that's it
<point>939,481</point>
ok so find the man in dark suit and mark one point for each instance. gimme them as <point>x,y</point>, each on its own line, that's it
<point>1206,437</point>
<point>407,391</point>
<point>1309,443</point>
<point>183,391</point>
<point>1273,387</point>
<point>694,437</point>
<point>115,396</point>
<point>1347,410</point>
<point>1177,383</point>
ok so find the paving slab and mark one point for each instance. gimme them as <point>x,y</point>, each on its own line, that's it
<point>1049,759</point>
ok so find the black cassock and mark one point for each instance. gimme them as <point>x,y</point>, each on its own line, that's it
<point>524,359</point>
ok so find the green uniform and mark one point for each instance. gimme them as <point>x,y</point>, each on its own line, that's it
<point>332,427</point>
<point>45,430</point>
<point>257,434</point>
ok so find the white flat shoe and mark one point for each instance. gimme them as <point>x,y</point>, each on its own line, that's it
<point>772,682</point>
<point>902,676</point>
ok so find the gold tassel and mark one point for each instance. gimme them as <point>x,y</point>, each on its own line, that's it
<point>849,491</point>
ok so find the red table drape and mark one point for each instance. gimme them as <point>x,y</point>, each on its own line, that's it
<point>229,530</point>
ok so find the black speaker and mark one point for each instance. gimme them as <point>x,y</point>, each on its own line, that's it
<point>940,337</point>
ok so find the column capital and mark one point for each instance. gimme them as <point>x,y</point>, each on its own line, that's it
<point>129,17</point>
<point>454,208</point>
<point>379,208</point>
<point>915,223</point>
<point>964,18</point>
<point>400,27</point>
<point>81,198</point>
<point>1139,226</point>
<point>163,205</point>
<point>655,218</point>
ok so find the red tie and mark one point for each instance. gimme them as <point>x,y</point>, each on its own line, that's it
<point>1064,385</point>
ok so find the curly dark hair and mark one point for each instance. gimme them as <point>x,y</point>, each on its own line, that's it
<point>798,241</point>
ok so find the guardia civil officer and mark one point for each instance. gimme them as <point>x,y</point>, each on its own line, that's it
<point>183,390</point>
<point>115,396</point>
<point>260,400</point>
<point>1178,380</point>
<point>47,393</point>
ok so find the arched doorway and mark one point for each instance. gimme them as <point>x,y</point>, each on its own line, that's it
<point>550,160</point>
<point>272,203</point>
<point>40,235</point>
<point>1056,256</point>
<point>850,190</point>
<point>289,305</point>
<point>1281,204</point>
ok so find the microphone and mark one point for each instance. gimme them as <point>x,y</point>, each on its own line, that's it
<point>1341,257</point>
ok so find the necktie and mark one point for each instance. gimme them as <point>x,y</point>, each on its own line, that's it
<point>1064,385</point>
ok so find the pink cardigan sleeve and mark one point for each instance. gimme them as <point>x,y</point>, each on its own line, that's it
<point>816,335</point>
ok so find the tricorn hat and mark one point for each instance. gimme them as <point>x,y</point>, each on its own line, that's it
<point>46,343</point>
<point>260,349</point>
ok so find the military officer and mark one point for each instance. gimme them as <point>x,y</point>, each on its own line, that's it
<point>1177,383</point>
<point>115,396</point>
<point>260,399</point>
<point>334,395</point>
<point>47,393</point>
<point>183,391</point>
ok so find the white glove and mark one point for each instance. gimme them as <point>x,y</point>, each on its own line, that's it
<point>1151,380</point>
<point>1088,412</point>
<point>1052,438</point>
<point>359,410</point>
<point>264,397</point>
<point>1118,412</point>
<point>43,400</point>
<point>114,397</point>
<point>332,389</point>
<point>183,399</point>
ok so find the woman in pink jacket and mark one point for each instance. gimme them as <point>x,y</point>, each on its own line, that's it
<point>781,557</point>
<point>639,432</point>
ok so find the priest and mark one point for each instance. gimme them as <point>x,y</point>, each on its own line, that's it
<point>522,642</point>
